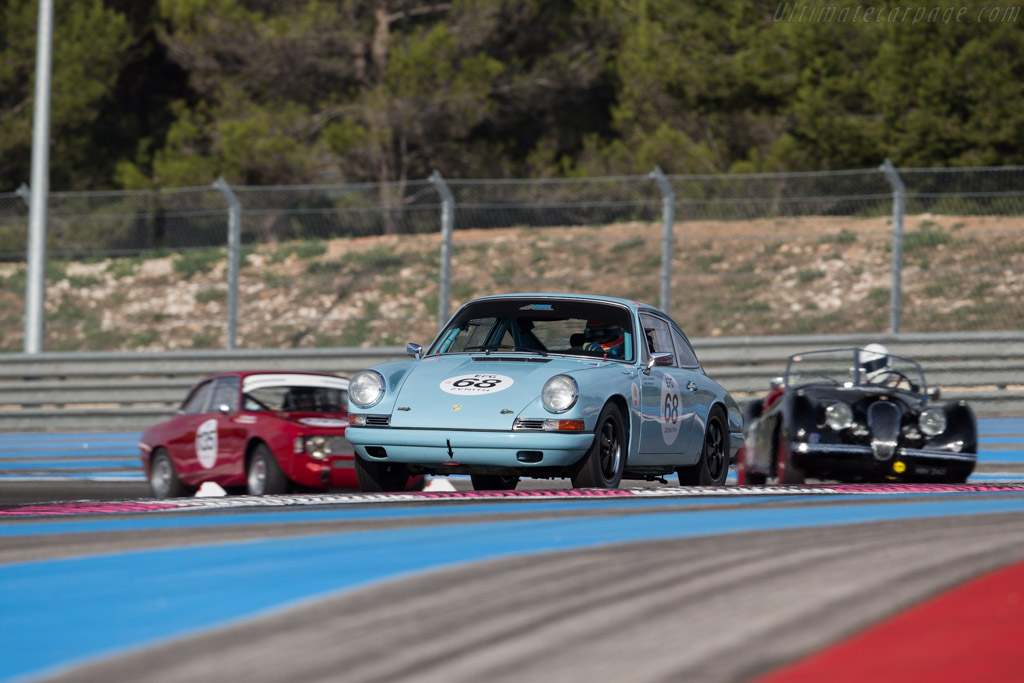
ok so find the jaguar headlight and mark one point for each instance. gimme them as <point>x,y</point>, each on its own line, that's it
<point>932,421</point>
<point>838,417</point>
<point>559,393</point>
<point>366,388</point>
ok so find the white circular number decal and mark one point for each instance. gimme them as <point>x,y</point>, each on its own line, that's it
<point>471,385</point>
<point>206,443</point>
<point>671,402</point>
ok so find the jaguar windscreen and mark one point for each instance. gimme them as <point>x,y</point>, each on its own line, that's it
<point>855,367</point>
<point>544,326</point>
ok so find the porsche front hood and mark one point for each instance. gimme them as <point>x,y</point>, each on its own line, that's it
<point>471,392</point>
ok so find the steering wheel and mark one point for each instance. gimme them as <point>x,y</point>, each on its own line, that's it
<point>893,378</point>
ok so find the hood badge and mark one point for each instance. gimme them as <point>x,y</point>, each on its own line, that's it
<point>506,411</point>
<point>404,408</point>
<point>457,406</point>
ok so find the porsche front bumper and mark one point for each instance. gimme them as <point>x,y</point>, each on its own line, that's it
<point>434,448</point>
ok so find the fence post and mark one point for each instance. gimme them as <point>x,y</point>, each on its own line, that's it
<point>447,225</point>
<point>668,220</point>
<point>896,295</point>
<point>234,247</point>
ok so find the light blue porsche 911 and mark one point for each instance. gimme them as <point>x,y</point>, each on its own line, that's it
<point>593,388</point>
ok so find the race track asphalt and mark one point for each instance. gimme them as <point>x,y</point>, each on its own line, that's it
<point>716,603</point>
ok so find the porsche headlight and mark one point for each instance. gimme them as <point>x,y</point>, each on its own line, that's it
<point>366,388</point>
<point>559,393</point>
<point>838,416</point>
<point>932,421</point>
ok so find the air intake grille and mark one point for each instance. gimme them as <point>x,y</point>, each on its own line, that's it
<point>525,423</point>
<point>378,420</point>
<point>884,421</point>
<point>338,445</point>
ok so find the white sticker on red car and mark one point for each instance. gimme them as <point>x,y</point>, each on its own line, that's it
<point>323,422</point>
<point>671,400</point>
<point>206,443</point>
<point>472,385</point>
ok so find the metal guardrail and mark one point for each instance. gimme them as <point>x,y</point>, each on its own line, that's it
<point>114,391</point>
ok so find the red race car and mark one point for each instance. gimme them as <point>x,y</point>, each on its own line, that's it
<point>255,432</point>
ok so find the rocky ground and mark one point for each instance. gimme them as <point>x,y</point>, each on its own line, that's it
<point>768,276</point>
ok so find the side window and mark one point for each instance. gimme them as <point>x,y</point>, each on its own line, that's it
<point>685,357</point>
<point>225,393</point>
<point>196,401</point>
<point>659,338</point>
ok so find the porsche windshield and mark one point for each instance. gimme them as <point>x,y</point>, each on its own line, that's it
<point>855,367</point>
<point>540,326</point>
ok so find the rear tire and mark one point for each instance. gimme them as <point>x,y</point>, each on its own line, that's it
<point>264,477</point>
<point>380,476</point>
<point>713,467</point>
<point>493,482</point>
<point>605,462</point>
<point>164,480</point>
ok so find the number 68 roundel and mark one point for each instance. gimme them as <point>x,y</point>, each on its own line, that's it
<point>480,383</point>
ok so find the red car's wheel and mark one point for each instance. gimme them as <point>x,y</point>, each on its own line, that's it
<point>264,476</point>
<point>163,478</point>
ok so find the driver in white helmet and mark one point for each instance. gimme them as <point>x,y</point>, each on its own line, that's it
<point>874,363</point>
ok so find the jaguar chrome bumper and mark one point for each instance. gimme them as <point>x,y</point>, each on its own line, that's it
<point>853,451</point>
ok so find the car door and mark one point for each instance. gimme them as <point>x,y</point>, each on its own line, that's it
<point>695,385</point>
<point>225,433</point>
<point>667,395</point>
<point>182,445</point>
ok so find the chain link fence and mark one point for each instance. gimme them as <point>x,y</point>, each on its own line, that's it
<point>380,264</point>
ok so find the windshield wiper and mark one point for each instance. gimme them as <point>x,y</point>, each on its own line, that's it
<point>489,347</point>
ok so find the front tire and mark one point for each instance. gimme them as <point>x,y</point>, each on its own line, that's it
<point>264,476</point>
<point>164,480</point>
<point>605,462</point>
<point>380,476</point>
<point>493,482</point>
<point>713,467</point>
<point>788,474</point>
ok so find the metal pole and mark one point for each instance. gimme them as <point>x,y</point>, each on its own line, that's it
<point>234,247</point>
<point>668,221</point>
<point>447,226</point>
<point>35,269</point>
<point>896,295</point>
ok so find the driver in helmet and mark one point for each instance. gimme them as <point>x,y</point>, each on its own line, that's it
<point>874,363</point>
<point>604,338</point>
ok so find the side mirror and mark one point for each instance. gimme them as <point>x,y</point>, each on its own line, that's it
<point>934,393</point>
<point>658,359</point>
<point>414,350</point>
<point>224,408</point>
